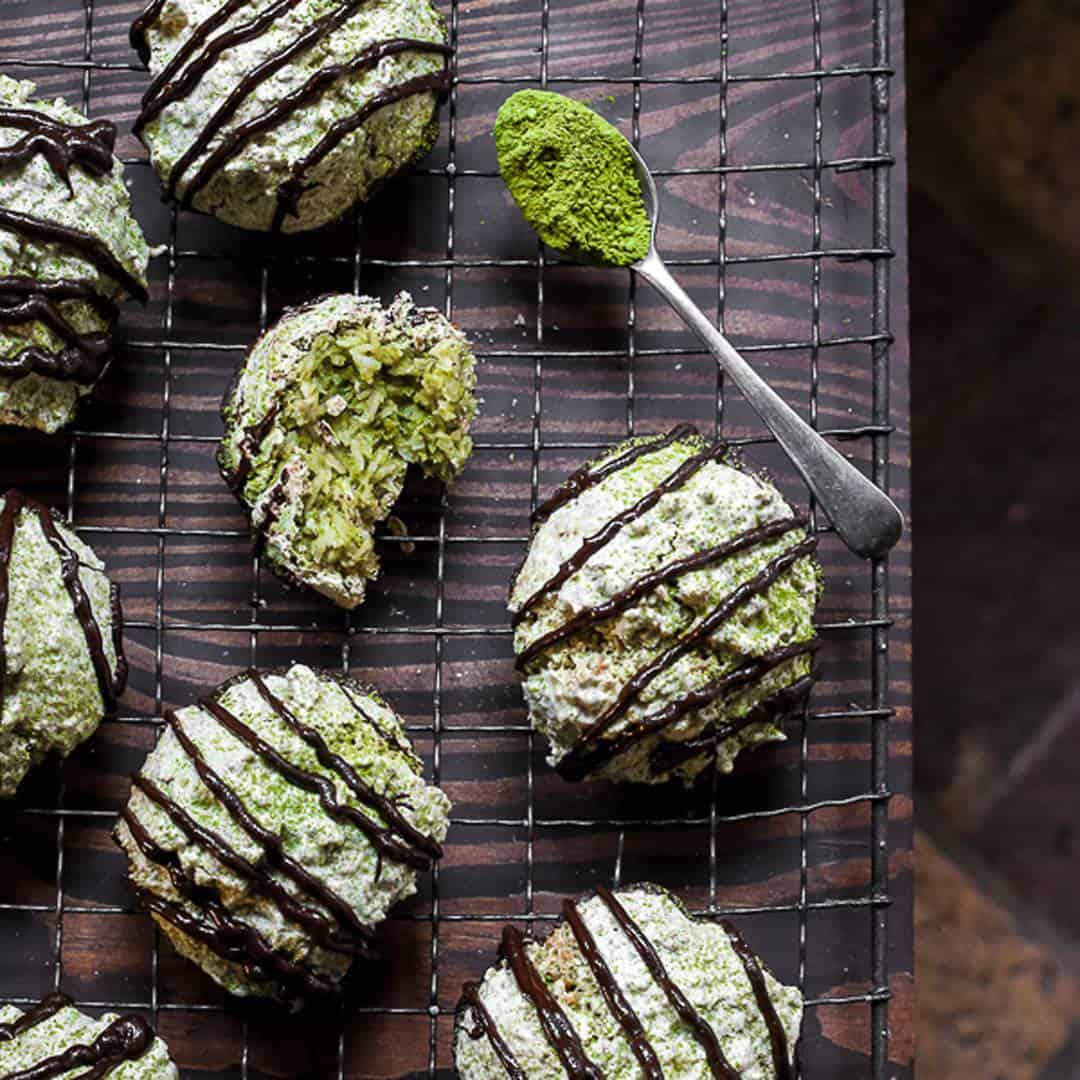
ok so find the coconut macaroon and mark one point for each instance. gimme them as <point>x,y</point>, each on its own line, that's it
<point>664,612</point>
<point>628,985</point>
<point>54,1039</point>
<point>273,827</point>
<point>62,664</point>
<point>280,114</point>
<point>331,406</point>
<point>69,250</point>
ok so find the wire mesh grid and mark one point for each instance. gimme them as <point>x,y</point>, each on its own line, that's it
<point>616,844</point>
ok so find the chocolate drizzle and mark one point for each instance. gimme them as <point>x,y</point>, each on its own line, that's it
<point>197,55</point>
<point>612,994</point>
<point>216,927</point>
<point>668,754</point>
<point>171,84</point>
<point>699,1027</point>
<point>777,1038</point>
<point>236,139</point>
<point>49,1006</point>
<point>137,34</point>
<point>126,1039</point>
<point>256,874</point>
<point>83,357</point>
<point>592,751</point>
<point>485,1025</point>
<point>557,1027</point>
<point>592,544</point>
<point>9,517</point>
<point>589,476</point>
<point>110,683</point>
<point>399,838</point>
<point>253,79</point>
<point>274,853</point>
<point>61,144</point>
<point>627,597</point>
<point>89,247</point>
<point>248,449</point>
<point>291,191</point>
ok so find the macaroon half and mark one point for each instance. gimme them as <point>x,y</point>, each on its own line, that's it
<point>628,985</point>
<point>663,616</point>
<point>280,114</point>
<point>331,407</point>
<point>62,664</point>
<point>54,1039</point>
<point>69,250</point>
<point>275,824</point>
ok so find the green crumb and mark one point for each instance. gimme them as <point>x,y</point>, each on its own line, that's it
<point>572,175</point>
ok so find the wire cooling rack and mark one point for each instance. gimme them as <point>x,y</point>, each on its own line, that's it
<point>768,125</point>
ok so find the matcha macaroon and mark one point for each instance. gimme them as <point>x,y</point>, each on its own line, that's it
<point>62,664</point>
<point>572,175</point>
<point>331,407</point>
<point>54,1039</point>
<point>663,616</point>
<point>275,824</point>
<point>280,114</point>
<point>628,985</point>
<point>69,250</point>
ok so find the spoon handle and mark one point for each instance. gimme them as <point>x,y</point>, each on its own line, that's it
<point>865,518</point>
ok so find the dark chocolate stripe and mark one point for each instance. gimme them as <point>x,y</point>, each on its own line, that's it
<point>699,1028</point>
<point>317,785</point>
<point>592,544</point>
<point>588,476</point>
<point>653,580</point>
<point>557,1027</point>
<point>322,26</point>
<point>224,934</point>
<point>109,684</point>
<point>750,588</point>
<point>273,849</point>
<point>166,89</point>
<point>612,994</point>
<point>126,1039</point>
<point>293,188</point>
<point>137,33</point>
<point>13,503</point>
<point>49,1005</point>
<point>61,144</point>
<point>383,734</point>
<point>409,840</point>
<point>234,142</point>
<point>777,1037</point>
<point>84,357</point>
<point>187,49</point>
<point>248,448</point>
<point>63,289</point>
<point>669,755</point>
<point>323,931</point>
<point>485,1025</point>
<point>89,247</point>
<point>585,757</point>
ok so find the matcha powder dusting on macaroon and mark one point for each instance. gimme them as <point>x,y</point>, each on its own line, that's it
<point>572,174</point>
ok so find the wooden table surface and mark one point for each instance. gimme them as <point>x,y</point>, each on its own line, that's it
<point>787,841</point>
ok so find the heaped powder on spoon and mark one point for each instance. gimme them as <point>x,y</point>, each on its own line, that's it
<point>572,175</point>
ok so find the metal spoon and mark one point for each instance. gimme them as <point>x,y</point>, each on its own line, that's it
<point>865,518</point>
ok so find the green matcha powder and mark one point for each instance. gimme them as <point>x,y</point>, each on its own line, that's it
<point>573,176</point>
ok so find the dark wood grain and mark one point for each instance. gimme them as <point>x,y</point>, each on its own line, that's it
<point>146,527</point>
